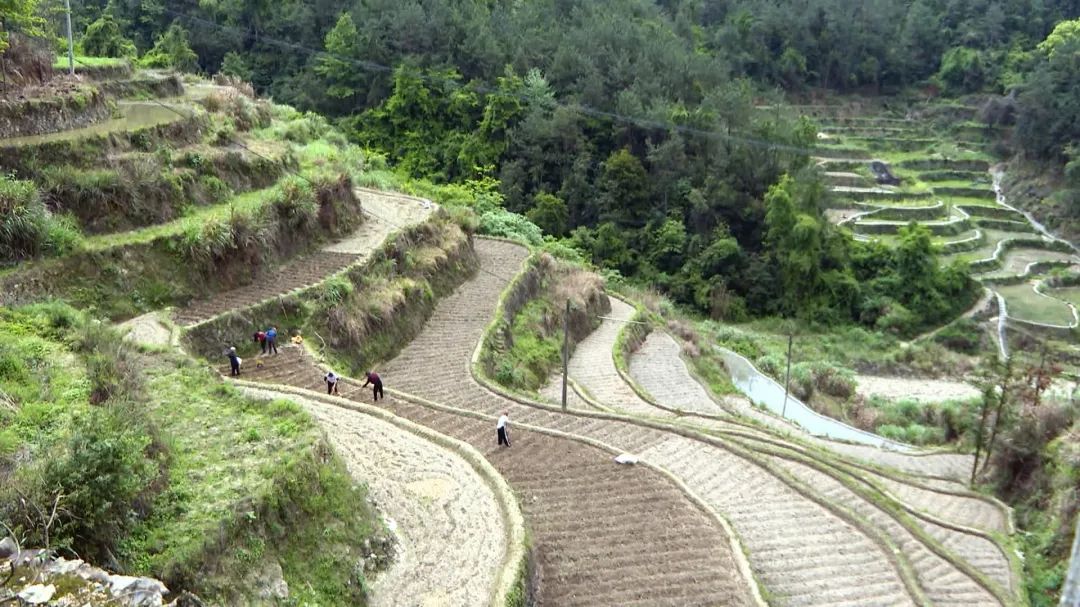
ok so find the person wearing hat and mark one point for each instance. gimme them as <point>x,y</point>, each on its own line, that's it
<point>234,361</point>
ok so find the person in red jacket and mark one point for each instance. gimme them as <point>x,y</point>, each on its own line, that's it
<point>260,338</point>
<point>376,382</point>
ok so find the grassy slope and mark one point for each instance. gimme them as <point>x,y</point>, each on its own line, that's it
<point>241,483</point>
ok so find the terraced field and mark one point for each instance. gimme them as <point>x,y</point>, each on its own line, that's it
<point>943,582</point>
<point>1024,303</point>
<point>956,173</point>
<point>604,534</point>
<point>757,501</point>
<point>441,509</point>
<point>134,116</point>
<point>672,529</point>
<point>386,213</point>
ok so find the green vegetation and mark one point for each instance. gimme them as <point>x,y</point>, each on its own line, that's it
<point>368,312</point>
<point>27,228</point>
<point>1024,303</point>
<point>526,346</point>
<point>83,61</point>
<point>146,457</point>
<point>824,364</point>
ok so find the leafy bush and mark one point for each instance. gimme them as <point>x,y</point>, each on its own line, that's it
<point>103,38</point>
<point>172,51</point>
<point>103,469</point>
<point>296,203</point>
<point>964,336</point>
<point>504,224</point>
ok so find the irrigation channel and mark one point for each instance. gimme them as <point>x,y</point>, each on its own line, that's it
<point>762,389</point>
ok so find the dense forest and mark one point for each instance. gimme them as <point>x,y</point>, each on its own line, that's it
<point>628,127</point>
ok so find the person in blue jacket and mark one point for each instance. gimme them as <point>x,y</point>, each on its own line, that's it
<point>271,340</point>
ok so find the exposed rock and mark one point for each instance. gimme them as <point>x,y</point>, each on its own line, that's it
<point>882,173</point>
<point>269,583</point>
<point>7,547</point>
<point>40,578</point>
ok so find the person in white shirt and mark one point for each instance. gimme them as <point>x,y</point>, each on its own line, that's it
<point>331,383</point>
<point>502,430</point>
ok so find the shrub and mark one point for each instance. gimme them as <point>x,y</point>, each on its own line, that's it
<point>27,229</point>
<point>962,336</point>
<point>103,38</point>
<point>172,51</point>
<point>102,471</point>
<point>504,224</point>
<point>296,203</point>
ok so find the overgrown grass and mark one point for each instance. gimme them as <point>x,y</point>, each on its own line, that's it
<point>525,347</point>
<point>1024,303</point>
<point>27,228</point>
<point>82,61</point>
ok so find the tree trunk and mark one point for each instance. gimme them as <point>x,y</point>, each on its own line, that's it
<point>1002,397</point>
<point>987,395</point>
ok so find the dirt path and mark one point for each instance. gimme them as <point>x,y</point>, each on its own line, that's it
<point>442,511</point>
<point>924,390</point>
<point>387,212</point>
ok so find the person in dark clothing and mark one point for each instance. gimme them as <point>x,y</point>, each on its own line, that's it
<point>234,361</point>
<point>502,429</point>
<point>260,338</point>
<point>376,383</point>
<point>271,340</point>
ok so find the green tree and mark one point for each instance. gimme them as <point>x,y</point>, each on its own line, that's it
<point>342,77</point>
<point>19,16</point>
<point>172,51</point>
<point>794,236</point>
<point>103,38</point>
<point>963,70</point>
<point>624,190</point>
<point>234,65</point>
<point>550,213</point>
<point>1064,37</point>
<point>668,246</point>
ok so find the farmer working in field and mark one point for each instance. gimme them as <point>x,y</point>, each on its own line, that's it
<point>331,383</point>
<point>376,383</point>
<point>260,338</point>
<point>271,340</point>
<point>502,429</point>
<point>234,361</point>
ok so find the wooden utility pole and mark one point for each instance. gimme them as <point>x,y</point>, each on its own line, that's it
<point>565,352</point>
<point>787,378</point>
<point>71,39</point>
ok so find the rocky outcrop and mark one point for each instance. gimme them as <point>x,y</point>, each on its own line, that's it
<point>38,577</point>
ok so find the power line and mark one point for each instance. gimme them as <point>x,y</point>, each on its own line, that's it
<point>374,66</point>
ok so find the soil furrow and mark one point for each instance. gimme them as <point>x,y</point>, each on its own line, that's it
<point>443,511</point>
<point>766,512</point>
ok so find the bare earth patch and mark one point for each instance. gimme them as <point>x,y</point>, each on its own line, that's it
<point>923,390</point>
<point>147,330</point>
